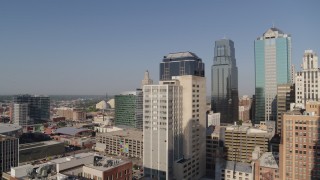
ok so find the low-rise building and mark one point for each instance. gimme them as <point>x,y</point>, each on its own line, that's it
<point>72,131</point>
<point>83,142</point>
<point>127,142</point>
<point>10,129</point>
<point>267,167</point>
<point>39,150</point>
<point>237,171</point>
<point>83,166</point>
<point>74,114</point>
<point>106,129</point>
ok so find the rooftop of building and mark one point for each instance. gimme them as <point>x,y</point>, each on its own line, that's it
<point>239,166</point>
<point>3,137</point>
<point>125,133</point>
<point>181,56</point>
<point>72,131</point>
<point>269,160</point>
<point>273,32</point>
<point>69,158</point>
<point>38,144</point>
<point>106,163</point>
<point>127,93</point>
<point>213,130</point>
<point>5,128</point>
<point>247,129</point>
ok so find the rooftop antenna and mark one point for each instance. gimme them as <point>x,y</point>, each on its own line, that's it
<point>272,24</point>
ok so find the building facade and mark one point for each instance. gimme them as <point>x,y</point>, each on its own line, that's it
<point>128,109</point>
<point>272,53</point>
<point>224,85</point>
<point>22,114</point>
<point>285,97</point>
<point>245,105</point>
<point>267,167</point>
<point>179,64</point>
<point>299,147</point>
<point>213,119</point>
<point>214,150</point>
<point>162,129</point>
<point>124,142</point>
<point>237,171</point>
<point>38,106</point>
<point>308,80</point>
<point>174,128</point>
<point>240,142</point>
<point>9,153</point>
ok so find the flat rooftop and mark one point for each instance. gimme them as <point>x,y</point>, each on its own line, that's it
<point>38,144</point>
<point>67,159</point>
<point>125,133</point>
<point>270,160</point>
<point>5,127</point>
<point>107,163</point>
<point>239,166</point>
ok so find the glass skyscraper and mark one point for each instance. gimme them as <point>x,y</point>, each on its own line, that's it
<point>272,53</point>
<point>224,86</point>
<point>179,64</point>
<point>38,106</point>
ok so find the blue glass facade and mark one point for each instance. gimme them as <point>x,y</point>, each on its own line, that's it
<point>260,79</point>
<point>272,67</point>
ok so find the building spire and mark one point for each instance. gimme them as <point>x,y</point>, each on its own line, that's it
<point>146,80</point>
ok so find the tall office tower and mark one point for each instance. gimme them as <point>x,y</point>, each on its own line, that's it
<point>272,67</point>
<point>224,85</point>
<point>39,106</point>
<point>128,109</point>
<point>146,80</point>
<point>162,129</point>
<point>9,153</point>
<point>293,73</point>
<point>174,128</point>
<point>179,64</point>
<point>21,114</point>
<point>299,147</point>
<point>308,80</point>
<point>285,96</point>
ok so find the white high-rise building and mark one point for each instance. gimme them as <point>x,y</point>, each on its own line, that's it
<point>307,82</point>
<point>174,127</point>
<point>21,114</point>
<point>162,128</point>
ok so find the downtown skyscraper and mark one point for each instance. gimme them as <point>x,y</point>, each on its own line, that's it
<point>224,85</point>
<point>38,108</point>
<point>179,64</point>
<point>308,80</point>
<point>174,127</point>
<point>272,53</point>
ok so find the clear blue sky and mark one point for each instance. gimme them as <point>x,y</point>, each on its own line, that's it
<point>94,47</point>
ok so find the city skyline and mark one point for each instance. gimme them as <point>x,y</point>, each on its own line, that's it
<point>77,47</point>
